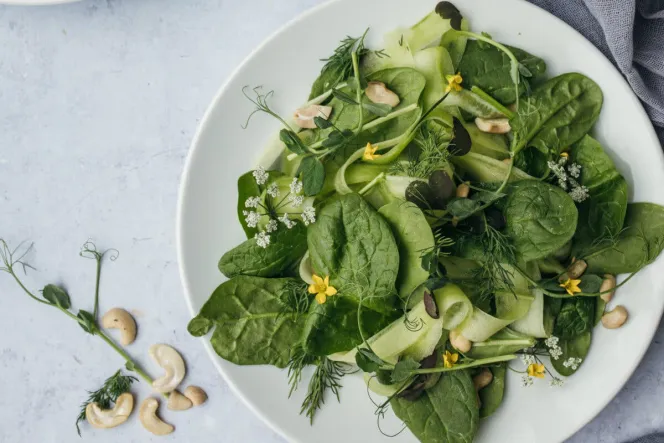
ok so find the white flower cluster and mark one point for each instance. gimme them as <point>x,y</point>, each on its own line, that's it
<point>526,380</point>
<point>527,359</point>
<point>556,382</point>
<point>567,175</point>
<point>554,350</point>
<point>572,363</point>
<point>295,199</point>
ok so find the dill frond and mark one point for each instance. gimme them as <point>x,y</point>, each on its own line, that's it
<point>105,396</point>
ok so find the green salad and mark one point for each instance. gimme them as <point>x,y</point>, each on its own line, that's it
<point>436,215</point>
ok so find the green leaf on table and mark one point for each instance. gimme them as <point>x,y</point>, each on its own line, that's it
<point>56,295</point>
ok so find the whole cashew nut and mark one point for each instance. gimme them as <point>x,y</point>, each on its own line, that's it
<point>304,117</point>
<point>150,420</point>
<point>169,359</point>
<point>196,395</point>
<point>110,418</point>
<point>615,318</point>
<point>377,92</point>
<point>118,318</point>
<point>178,402</point>
<point>608,284</point>
<point>460,343</point>
<point>493,125</point>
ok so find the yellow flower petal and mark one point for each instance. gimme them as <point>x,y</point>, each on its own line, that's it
<point>317,280</point>
<point>450,359</point>
<point>327,280</point>
<point>370,152</point>
<point>321,298</point>
<point>564,154</point>
<point>331,290</point>
<point>536,370</point>
<point>571,286</point>
<point>313,289</point>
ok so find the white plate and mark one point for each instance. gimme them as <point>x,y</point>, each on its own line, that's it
<point>288,63</point>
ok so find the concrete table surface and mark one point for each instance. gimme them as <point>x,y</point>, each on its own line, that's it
<point>99,101</point>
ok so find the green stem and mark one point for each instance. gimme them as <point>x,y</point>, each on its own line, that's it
<point>507,177</point>
<point>372,183</point>
<point>390,116</point>
<point>577,294</point>
<point>495,103</point>
<point>26,289</point>
<point>124,355</point>
<point>97,279</point>
<point>358,94</point>
<point>484,361</point>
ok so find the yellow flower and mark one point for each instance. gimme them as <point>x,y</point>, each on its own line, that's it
<point>450,359</point>
<point>571,286</point>
<point>536,370</point>
<point>322,289</point>
<point>454,82</point>
<point>370,152</point>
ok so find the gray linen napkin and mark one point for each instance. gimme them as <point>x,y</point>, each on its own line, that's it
<point>631,34</point>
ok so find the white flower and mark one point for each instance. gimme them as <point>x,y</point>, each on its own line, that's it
<point>260,175</point>
<point>262,239</point>
<point>574,170</point>
<point>309,215</point>
<point>579,194</point>
<point>526,381</point>
<point>252,218</point>
<point>555,353</point>
<point>295,186</point>
<point>527,359</point>
<point>296,200</point>
<point>556,382</point>
<point>552,342</point>
<point>273,190</point>
<point>271,226</point>
<point>287,221</point>
<point>252,202</point>
<point>572,363</point>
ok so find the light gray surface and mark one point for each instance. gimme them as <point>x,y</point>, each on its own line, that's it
<point>98,104</point>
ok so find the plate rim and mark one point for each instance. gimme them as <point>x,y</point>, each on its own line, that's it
<point>205,121</point>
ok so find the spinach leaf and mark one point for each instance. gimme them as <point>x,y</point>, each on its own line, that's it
<point>414,237</point>
<point>255,320</point>
<point>577,348</point>
<point>540,217</point>
<point>247,187</point>
<point>577,316</point>
<point>354,245</point>
<point>332,327</point>
<point>446,413</point>
<point>603,214</point>
<point>558,113</point>
<point>286,249</point>
<point>491,396</point>
<point>489,68</point>
<point>638,244</point>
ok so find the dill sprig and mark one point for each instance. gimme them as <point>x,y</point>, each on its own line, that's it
<point>340,63</point>
<point>433,153</point>
<point>297,299</point>
<point>327,376</point>
<point>498,250</point>
<point>116,385</point>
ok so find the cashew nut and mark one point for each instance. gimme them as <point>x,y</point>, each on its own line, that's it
<point>150,420</point>
<point>118,318</point>
<point>304,117</point>
<point>615,318</point>
<point>110,418</point>
<point>196,395</point>
<point>577,268</point>
<point>608,284</point>
<point>483,379</point>
<point>377,92</point>
<point>462,190</point>
<point>460,342</point>
<point>493,125</point>
<point>169,359</point>
<point>178,402</point>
